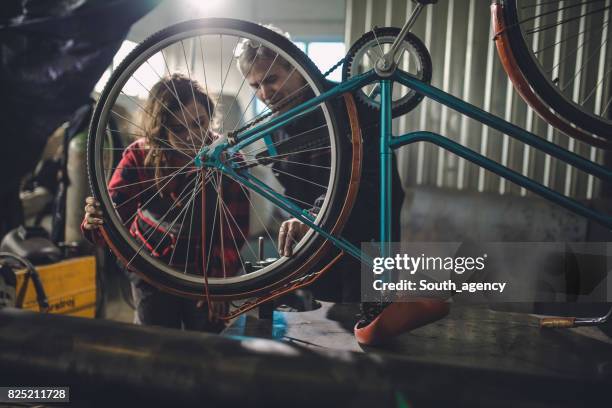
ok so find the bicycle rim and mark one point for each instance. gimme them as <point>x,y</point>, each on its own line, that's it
<point>192,48</point>
<point>563,49</point>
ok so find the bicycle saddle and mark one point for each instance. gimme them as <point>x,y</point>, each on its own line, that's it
<point>398,318</point>
<point>32,244</point>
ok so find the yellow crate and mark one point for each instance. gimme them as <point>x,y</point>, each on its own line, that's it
<point>70,286</point>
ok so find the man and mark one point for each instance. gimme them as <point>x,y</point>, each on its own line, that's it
<point>274,80</point>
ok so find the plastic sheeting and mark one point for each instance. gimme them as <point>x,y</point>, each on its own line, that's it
<point>52,53</point>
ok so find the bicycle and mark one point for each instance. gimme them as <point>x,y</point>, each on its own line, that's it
<point>246,148</point>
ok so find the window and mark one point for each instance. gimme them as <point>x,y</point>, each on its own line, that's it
<point>146,76</point>
<point>325,55</point>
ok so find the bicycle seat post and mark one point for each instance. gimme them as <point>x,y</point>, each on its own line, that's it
<point>386,64</point>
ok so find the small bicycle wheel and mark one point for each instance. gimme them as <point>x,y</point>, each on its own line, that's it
<point>191,229</point>
<point>563,50</point>
<point>413,58</point>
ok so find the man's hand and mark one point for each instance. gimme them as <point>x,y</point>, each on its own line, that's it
<point>93,214</point>
<point>290,232</point>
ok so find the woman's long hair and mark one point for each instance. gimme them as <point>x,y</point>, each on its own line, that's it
<point>166,99</point>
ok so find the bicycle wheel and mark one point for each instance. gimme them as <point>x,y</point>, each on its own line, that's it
<point>302,161</point>
<point>563,50</point>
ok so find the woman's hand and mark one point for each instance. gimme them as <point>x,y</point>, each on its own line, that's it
<point>93,214</point>
<point>290,232</point>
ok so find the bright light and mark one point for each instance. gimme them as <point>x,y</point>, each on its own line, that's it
<point>204,6</point>
<point>325,55</point>
<point>142,80</point>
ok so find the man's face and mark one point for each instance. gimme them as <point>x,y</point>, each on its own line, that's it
<point>274,84</point>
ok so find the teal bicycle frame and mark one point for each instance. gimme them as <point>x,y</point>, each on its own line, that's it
<point>389,142</point>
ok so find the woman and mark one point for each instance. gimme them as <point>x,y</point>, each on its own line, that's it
<point>152,189</point>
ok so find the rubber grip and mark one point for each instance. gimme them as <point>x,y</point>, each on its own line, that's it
<point>557,322</point>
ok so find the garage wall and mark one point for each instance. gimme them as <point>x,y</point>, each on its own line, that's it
<point>458,35</point>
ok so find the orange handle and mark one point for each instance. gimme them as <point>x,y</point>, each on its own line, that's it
<point>557,322</point>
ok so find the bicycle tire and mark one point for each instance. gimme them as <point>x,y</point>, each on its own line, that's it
<point>327,218</point>
<point>542,85</point>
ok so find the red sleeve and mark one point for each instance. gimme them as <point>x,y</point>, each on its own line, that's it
<point>94,236</point>
<point>125,187</point>
<point>127,184</point>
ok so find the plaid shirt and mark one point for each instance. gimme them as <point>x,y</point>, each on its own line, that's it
<point>138,202</point>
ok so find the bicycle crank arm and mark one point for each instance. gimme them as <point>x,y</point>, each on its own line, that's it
<point>386,64</point>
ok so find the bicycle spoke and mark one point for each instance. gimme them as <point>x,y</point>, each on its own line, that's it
<point>169,90</point>
<point>226,211</point>
<point>595,87</point>
<point>121,132</point>
<point>295,200</point>
<point>190,229</point>
<point>296,163</point>
<point>146,167</point>
<point>180,103</point>
<point>564,87</point>
<point>308,206</point>
<point>165,191</point>
<point>382,52</point>
<point>544,3</point>
<point>547,47</point>
<point>263,148</point>
<point>195,103</point>
<point>246,194</point>
<point>210,118</point>
<point>605,109</point>
<point>240,88</point>
<point>185,215</point>
<point>173,175</point>
<point>229,66</point>
<point>570,54</point>
<point>186,206</point>
<point>148,201</point>
<point>153,230</point>
<point>300,178</point>
<point>149,180</point>
<point>256,90</point>
<point>158,140</point>
<point>183,210</point>
<point>167,110</point>
<point>298,151</point>
<point>268,108</point>
<point>532,31</point>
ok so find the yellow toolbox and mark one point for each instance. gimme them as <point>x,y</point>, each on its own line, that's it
<point>70,287</point>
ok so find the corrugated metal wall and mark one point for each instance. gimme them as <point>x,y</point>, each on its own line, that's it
<point>465,64</point>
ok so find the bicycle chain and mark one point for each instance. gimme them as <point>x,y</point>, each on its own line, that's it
<point>278,108</point>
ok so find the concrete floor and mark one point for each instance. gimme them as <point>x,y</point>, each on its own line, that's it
<point>471,336</point>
